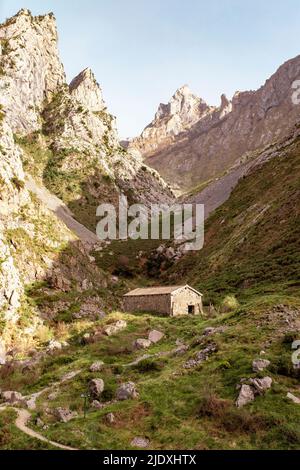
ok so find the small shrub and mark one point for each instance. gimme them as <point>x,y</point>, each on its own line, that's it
<point>19,184</point>
<point>289,337</point>
<point>212,406</point>
<point>108,393</point>
<point>2,113</point>
<point>62,360</point>
<point>43,334</point>
<point>149,365</point>
<point>229,303</point>
<point>117,369</point>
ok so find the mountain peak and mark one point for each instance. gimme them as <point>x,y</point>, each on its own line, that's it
<point>86,90</point>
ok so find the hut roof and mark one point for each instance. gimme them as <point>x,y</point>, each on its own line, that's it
<point>140,291</point>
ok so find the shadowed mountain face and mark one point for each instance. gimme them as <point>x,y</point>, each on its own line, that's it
<point>211,141</point>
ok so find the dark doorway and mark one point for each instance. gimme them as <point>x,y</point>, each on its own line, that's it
<point>191,309</point>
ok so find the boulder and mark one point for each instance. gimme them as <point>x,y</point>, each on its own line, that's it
<point>64,414</point>
<point>259,365</point>
<point>126,391</point>
<point>180,350</point>
<point>141,343</point>
<point>294,399</point>
<point>31,403</point>
<point>261,385</point>
<point>69,375</point>
<point>154,336</point>
<point>96,366</point>
<point>39,422</point>
<point>96,387</point>
<point>12,397</point>
<point>97,405</point>
<point>246,395</point>
<point>115,327</point>
<point>2,353</point>
<point>110,418</point>
<point>53,395</point>
<point>141,442</point>
<point>58,281</point>
<point>54,345</point>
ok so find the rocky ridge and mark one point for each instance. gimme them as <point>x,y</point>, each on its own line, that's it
<point>63,136</point>
<point>213,143</point>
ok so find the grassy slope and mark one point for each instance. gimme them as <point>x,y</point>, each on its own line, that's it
<point>252,242</point>
<point>176,408</point>
<point>251,250</point>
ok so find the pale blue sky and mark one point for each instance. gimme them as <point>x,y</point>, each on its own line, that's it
<point>141,51</point>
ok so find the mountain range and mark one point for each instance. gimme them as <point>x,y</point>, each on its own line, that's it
<point>221,381</point>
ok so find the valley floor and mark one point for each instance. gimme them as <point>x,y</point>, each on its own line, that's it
<point>181,403</point>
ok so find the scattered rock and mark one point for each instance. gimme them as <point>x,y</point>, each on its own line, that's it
<point>52,396</point>
<point>114,328</point>
<point>39,422</point>
<point>140,442</point>
<point>210,330</point>
<point>141,343</point>
<point>110,418</point>
<point>96,387</point>
<point>201,356</point>
<point>181,349</point>
<point>114,279</point>
<point>64,414</point>
<point>246,395</point>
<point>58,281</point>
<point>261,385</point>
<point>2,353</point>
<point>294,399</point>
<point>97,366</point>
<point>31,403</point>
<point>69,375</point>
<point>259,365</point>
<point>155,336</point>
<point>96,404</point>
<point>12,397</point>
<point>86,338</point>
<point>126,391</point>
<point>54,345</point>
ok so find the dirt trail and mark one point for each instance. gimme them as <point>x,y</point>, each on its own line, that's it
<point>57,206</point>
<point>23,415</point>
<point>21,423</point>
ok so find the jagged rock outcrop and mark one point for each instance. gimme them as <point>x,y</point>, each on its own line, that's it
<point>86,148</point>
<point>30,67</point>
<point>250,121</point>
<point>86,90</point>
<point>182,111</point>
<point>68,124</point>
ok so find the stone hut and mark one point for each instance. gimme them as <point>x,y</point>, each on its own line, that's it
<point>169,300</point>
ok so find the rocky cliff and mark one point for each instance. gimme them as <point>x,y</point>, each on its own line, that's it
<point>61,137</point>
<point>183,110</point>
<point>70,122</point>
<point>214,141</point>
